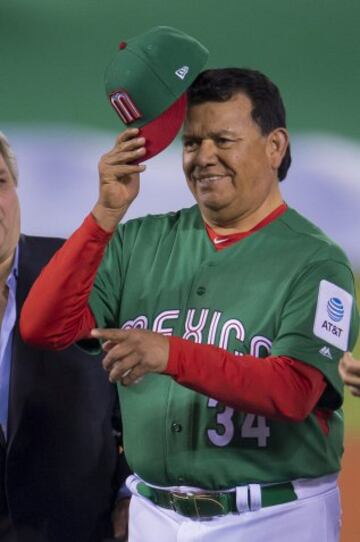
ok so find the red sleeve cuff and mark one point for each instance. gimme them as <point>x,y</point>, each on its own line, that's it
<point>93,229</point>
<point>175,345</point>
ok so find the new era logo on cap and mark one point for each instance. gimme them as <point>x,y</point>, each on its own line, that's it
<point>182,72</point>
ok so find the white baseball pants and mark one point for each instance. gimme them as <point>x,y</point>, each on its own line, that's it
<point>314,517</point>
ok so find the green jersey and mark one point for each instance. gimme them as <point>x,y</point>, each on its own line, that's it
<point>284,290</point>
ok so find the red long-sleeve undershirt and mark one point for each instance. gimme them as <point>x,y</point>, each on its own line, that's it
<point>277,387</point>
<point>56,314</point>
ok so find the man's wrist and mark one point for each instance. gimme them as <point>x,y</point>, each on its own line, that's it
<point>107,218</point>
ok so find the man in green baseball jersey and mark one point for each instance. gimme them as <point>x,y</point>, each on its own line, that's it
<point>223,325</point>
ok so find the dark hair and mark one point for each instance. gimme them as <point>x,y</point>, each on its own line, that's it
<point>219,85</point>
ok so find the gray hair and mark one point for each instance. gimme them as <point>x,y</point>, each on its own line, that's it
<point>9,157</point>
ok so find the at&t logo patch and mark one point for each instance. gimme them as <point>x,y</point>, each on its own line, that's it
<point>335,309</point>
<point>333,315</point>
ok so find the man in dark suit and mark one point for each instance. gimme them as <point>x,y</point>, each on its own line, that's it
<point>59,460</point>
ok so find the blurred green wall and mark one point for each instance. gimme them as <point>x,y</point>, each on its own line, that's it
<point>53,53</point>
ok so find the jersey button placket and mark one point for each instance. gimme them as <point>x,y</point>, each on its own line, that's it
<point>176,427</point>
<point>201,290</point>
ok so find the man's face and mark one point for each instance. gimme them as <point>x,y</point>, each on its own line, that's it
<point>227,161</point>
<point>9,212</point>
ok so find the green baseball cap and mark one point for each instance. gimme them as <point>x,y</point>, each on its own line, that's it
<point>147,79</point>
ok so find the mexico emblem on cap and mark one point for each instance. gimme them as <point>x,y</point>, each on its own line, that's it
<point>124,106</point>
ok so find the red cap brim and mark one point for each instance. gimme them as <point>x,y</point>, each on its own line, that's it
<point>160,132</point>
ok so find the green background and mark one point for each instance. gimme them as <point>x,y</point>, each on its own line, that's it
<point>53,53</point>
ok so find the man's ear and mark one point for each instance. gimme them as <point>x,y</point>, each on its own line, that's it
<point>277,144</point>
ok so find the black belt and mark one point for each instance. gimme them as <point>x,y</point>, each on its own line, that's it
<point>216,503</point>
